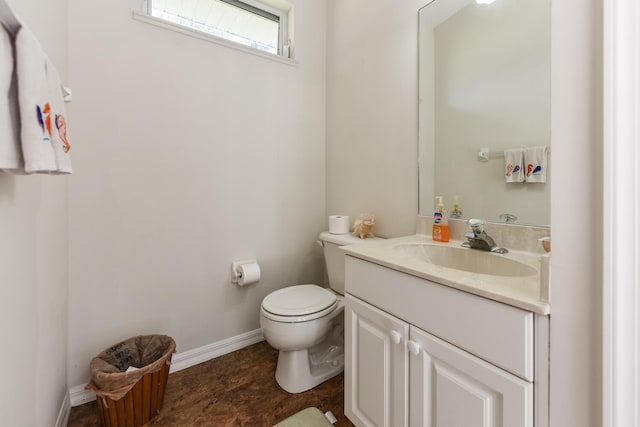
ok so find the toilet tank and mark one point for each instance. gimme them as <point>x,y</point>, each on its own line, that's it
<point>334,256</point>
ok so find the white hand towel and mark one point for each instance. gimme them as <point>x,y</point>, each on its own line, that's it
<point>513,171</point>
<point>60,135</point>
<point>10,150</point>
<point>45,143</point>
<point>535,160</point>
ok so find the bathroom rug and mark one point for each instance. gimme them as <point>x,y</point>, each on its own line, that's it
<point>310,417</point>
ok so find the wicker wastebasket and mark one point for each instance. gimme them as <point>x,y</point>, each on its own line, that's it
<point>130,379</point>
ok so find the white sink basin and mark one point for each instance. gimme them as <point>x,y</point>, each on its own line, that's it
<point>471,260</point>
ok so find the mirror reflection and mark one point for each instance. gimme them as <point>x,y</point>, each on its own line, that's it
<point>485,77</point>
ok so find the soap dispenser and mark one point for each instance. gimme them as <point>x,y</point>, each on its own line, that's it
<point>456,212</point>
<point>439,204</point>
<point>440,231</point>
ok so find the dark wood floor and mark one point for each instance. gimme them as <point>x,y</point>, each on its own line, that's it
<point>237,389</point>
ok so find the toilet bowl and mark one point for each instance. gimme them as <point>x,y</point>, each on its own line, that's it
<point>311,343</point>
<point>306,324</point>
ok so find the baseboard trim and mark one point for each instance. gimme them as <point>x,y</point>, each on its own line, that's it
<point>79,395</point>
<point>190,358</point>
<point>65,410</point>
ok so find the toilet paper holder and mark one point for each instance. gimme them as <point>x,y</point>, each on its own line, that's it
<point>236,273</point>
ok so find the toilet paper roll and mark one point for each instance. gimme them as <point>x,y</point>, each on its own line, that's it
<point>338,224</point>
<point>248,274</point>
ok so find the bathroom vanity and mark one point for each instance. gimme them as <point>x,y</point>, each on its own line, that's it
<point>429,345</point>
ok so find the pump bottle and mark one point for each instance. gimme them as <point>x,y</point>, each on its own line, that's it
<point>456,212</point>
<point>440,231</point>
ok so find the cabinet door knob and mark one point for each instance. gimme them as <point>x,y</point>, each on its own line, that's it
<point>414,347</point>
<point>395,337</point>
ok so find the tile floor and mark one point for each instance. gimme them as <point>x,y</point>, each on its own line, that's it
<point>237,389</point>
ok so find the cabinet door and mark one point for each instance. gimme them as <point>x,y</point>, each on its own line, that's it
<point>376,366</point>
<point>452,388</point>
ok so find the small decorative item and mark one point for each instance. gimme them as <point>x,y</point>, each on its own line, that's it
<point>363,225</point>
<point>546,243</point>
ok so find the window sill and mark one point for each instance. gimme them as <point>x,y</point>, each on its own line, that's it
<point>142,17</point>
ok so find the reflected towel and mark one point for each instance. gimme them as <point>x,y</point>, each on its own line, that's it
<point>535,160</point>
<point>513,165</point>
<point>43,128</point>
<point>10,150</point>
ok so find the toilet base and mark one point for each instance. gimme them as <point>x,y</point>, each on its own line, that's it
<point>302,370</point>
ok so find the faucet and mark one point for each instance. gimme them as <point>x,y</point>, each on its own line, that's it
<point>479,239</point>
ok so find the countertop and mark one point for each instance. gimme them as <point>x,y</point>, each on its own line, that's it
<point>523,292</point>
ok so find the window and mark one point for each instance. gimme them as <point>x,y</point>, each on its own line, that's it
<point>247,22</point>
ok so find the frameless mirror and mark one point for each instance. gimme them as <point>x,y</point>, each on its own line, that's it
<point>485,82</point>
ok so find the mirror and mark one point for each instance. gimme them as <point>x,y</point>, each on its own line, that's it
<point>485,81</point>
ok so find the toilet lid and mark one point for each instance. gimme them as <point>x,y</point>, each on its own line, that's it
<point>298,300</point>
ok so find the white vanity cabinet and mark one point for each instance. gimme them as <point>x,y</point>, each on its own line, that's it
<point>376,393</point>
<point>450,387</point>
<point>421,354</point>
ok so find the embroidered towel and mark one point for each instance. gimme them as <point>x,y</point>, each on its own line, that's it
<point>535,160</point>
<point>10,149</point>
<point>43,128</point>
<point>513,161</point>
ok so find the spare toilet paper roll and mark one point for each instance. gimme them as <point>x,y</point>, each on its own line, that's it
<point>248,274</point>
<point>338,224</point>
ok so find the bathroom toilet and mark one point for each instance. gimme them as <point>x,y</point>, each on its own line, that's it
<point>306,323</point>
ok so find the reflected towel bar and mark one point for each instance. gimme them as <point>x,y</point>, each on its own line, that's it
<point>485,154</point>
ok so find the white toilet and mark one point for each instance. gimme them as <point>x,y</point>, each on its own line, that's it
<point>306,323</point>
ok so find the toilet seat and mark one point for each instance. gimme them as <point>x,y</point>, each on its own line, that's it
<point>299,303</point>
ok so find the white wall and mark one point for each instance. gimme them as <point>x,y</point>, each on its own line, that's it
<point>371,164</point>
<point>188,155</point>
<point>33,264</point>
<point>372,112</point>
